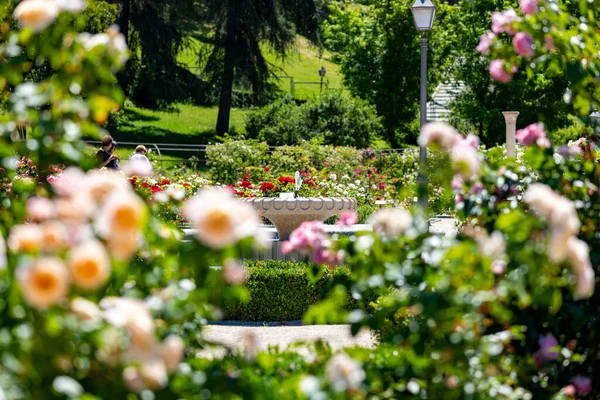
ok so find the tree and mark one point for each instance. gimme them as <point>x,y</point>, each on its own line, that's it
<point>377,47</point>
<point>156,32</point>
<point>239,29</point>
<point>480,107</point>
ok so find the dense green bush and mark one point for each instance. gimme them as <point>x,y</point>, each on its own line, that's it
<point>229,160</point>
<point>314,154</point>
<point>281,291</point>
<point>337,120</point>
<point>574,131</point>
<point>100,15</point>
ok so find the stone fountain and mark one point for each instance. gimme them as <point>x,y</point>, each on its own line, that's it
<point>289,211</point>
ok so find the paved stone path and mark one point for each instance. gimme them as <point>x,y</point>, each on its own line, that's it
<point>235,337</point>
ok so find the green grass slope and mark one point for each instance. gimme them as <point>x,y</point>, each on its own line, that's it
<point>301,63</point>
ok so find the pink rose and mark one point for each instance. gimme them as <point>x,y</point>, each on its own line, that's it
<point>523,44</point>
<point>485,42</point>
<point>569,391</point>
<point>51,179</point>
<point>582,384</point>
<point>548,350</point>
<point>528,6</point>
<point>347,219</point>
<point>457,182</point>
<point>498,267</point>
<point>531,134</point>
<point>502,21</point>
<point>499,73</point>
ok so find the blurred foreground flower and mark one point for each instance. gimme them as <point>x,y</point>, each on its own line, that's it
<point>44,282</point>
<point>344,373</point>
<point>36,14</point>
<point>220,219</point>
<point>391,222</point>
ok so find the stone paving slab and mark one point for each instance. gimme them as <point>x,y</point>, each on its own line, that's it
<point>338,337</point>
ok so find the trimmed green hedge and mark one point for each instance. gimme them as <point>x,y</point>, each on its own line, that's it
<point>281,291</point>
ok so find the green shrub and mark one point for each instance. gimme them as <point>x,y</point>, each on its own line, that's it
<point>576,130</point>
<point>281,291</point>
<point>230,159</point>
<point>335,119</point>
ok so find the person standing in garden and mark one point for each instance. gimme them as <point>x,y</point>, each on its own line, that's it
<point>106,156</point>
<point>140,155</point>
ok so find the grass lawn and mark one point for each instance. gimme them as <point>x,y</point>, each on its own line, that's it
<point>302,63</point>
<point>189,124</point>
<point>196,125</point>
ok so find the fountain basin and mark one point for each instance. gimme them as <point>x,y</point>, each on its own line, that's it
<point>287,214</point>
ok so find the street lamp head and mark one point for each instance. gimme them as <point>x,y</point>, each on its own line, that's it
<point>423,12</point>
<point>322,72</point>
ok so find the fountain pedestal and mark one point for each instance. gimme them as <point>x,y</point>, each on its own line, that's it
<point>288,213</point>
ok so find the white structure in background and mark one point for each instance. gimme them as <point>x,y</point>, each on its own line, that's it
<point>438,108</point>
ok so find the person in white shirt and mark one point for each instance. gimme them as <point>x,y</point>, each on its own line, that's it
<point>140,155</point>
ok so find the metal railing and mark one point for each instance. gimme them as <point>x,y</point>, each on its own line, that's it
<point>200,149</point>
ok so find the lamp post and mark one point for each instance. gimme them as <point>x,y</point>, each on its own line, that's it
<point>322,73</point>
<point>595,117</point>
<point>423,12</point>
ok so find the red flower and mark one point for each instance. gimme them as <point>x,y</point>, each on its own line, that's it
<point>266,186</point>
<point>310,182</point>
<point>155,189</point>
<point>165,182</point>
<point>266,168</point>
<point>305,173</point>
<point>246,176</point>
<point>246,184</point>
<point>146,185</point>
<point>187,184</point>
<point>284,180</point>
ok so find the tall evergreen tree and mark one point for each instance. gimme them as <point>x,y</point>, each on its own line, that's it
<point>240,27</point>
<point>156,32</point>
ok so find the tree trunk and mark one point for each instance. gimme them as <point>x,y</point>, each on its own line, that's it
<point>227,83</point>
<point>124,21</point>
<point>391,133</point>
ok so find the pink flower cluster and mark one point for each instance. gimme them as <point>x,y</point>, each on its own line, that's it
<point>499,72</point>
<point>531,134</point>
<point>528,7</point>
<point>523,44</point>
<point>548,350</point>
<point>502,21</point>
<point>310,238</point>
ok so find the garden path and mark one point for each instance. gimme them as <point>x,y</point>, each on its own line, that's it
<point>236,337</point>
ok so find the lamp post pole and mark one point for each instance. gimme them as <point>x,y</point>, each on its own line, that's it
<point>423,12</point>
<point>421,177</point>
<point>322,73</point>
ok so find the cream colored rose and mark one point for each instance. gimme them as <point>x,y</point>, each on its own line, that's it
<point>220,219</point>
<point>123,246</point>
<point>100,184</point>
<point>172,352</point>
<point>391,222</point>
<point>40,209</point>
<point>234,273</point>
<point>133,315</point>
<point>54,236</point>
<point>89,265</point>
<point>25,238</point>
<point>85,309</point>
<point>44,283</point>
<point>76,208</point>
<point>154,373</point>
<point>122,214</point>
<point>36,14</point>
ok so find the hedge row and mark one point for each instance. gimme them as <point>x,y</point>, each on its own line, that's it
<point>282,291</point>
